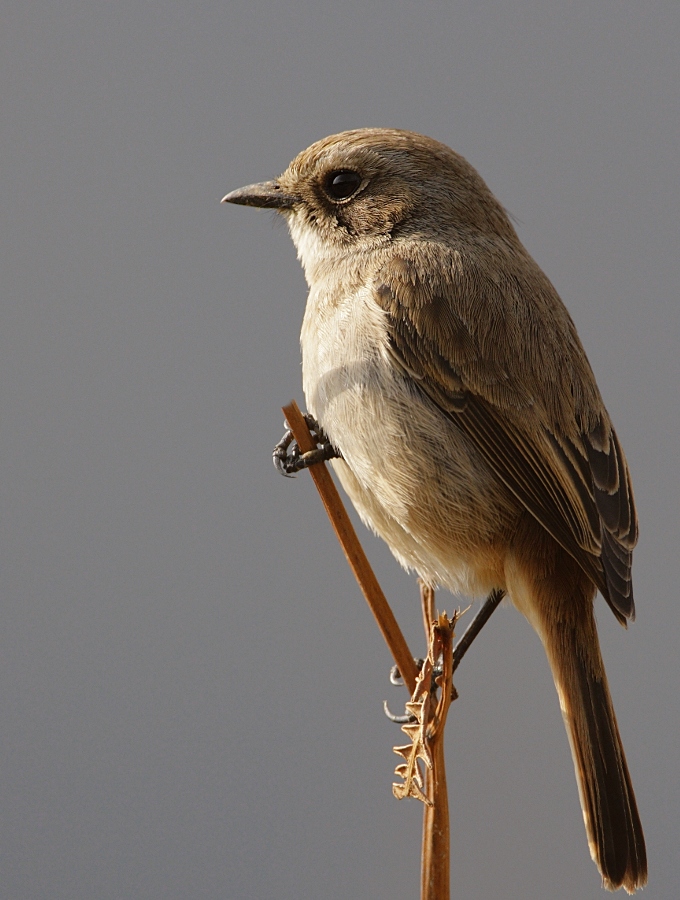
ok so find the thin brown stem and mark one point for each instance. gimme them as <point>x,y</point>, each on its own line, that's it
<point>427,606</point>
<point>356,557</point>
<point>435,866</point>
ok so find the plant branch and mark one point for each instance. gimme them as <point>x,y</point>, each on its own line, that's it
<point>356,557</point>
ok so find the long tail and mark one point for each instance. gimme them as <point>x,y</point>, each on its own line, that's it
<point>557,598</point>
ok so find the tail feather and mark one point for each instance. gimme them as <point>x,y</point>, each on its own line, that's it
<point>610,813</point>
<point>552,591</point>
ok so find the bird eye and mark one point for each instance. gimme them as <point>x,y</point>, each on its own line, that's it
<point>341,185</point>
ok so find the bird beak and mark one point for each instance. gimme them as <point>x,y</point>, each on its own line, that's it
<point>267,195</point>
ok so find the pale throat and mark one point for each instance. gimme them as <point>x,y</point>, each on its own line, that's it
<point>314,252</point>
<point>324,252</point>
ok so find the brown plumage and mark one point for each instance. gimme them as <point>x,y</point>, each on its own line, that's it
<point>440,360</point>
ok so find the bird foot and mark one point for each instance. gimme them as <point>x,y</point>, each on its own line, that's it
<point>287,457</point>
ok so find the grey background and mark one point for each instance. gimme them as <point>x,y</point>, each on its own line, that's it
<point>190,683</point>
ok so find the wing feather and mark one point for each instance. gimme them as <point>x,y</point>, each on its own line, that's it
<point>550,443</point>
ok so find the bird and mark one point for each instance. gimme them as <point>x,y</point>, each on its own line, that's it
<point>471,436</point>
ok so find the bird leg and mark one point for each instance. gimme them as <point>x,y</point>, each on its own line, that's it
<point>478,622</point>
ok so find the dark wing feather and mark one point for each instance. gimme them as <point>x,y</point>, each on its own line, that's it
<point>531,432</point>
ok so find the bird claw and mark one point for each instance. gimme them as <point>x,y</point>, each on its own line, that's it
<point>396,679</point>
<point>287,457</point>
<point>404,719</point>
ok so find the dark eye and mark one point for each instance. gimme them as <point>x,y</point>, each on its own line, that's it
<point>341,185</point>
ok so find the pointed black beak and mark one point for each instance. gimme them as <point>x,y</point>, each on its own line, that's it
<point>268,195</point>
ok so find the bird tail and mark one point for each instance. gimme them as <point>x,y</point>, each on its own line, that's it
<point>557,598</point>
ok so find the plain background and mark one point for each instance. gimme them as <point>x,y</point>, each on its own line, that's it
<point>190,682</point>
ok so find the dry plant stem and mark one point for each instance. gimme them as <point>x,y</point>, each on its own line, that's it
<point>356,557</point>
<point>427,606</point>
<point>435,857</point>
<point>435,850</point>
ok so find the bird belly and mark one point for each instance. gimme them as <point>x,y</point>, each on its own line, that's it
<point>412,475</point>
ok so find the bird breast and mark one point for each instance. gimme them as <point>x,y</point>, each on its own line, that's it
<point>413,477</point>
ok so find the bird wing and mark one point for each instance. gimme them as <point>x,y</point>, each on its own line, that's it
<point>484,351</point>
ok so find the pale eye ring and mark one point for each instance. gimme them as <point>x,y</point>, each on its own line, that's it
<point>341,184</point>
